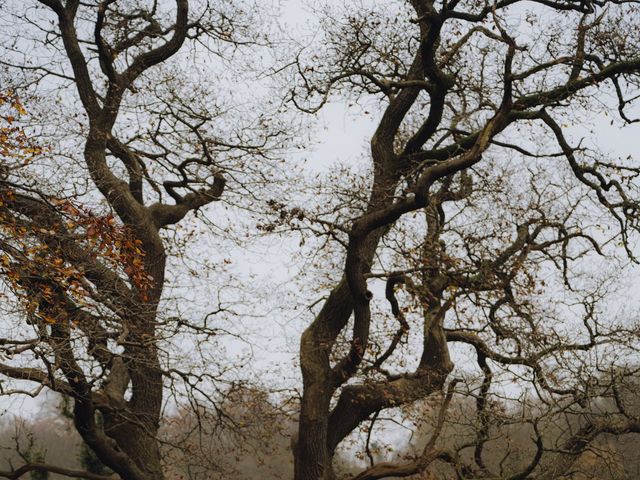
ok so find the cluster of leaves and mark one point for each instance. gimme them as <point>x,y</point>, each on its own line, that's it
<point>113,242</point>
<point>284,216</point>
<point>33,256</point>
<point>15,144</point>
<point>34,261</point>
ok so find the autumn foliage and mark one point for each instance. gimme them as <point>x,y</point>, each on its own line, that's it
<point>32,257</point>
<point>164,241</point>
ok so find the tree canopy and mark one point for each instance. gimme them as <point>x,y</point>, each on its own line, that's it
<point>476,257</point>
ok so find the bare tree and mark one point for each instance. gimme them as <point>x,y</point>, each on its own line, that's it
<point>488,232</point>
<point>141,144</point>
<point>481,206</point>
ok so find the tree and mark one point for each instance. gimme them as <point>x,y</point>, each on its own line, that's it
<point>481,208</point>
<point>134,146</point>
<point>509,445</point>
<point>90,462</point>
<point>489,233</point>
<point>38,457</point>
<point>253,443</point>
<point>28,443</point>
